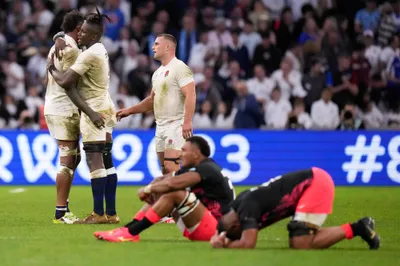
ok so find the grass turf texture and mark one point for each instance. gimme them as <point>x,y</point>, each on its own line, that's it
<point>28,236</point>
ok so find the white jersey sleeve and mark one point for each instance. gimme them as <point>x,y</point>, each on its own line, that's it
<point>184,75</point>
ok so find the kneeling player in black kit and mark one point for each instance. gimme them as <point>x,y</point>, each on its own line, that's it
<point>197,195</point>
<point>306,195</point>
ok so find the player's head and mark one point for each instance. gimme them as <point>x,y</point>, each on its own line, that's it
<point>92,29</point>
<point>230,222</point>
<point>195,150</point>
<point>165,44</point>
<point>72,22</point>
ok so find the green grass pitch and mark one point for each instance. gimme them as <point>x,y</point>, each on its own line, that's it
<point>28,236</point>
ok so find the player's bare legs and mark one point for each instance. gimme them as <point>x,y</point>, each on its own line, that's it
<point>68,164</point>
<point>112,180</point>
<point>98,174</point>
<point>189,209</point>
<point>169,161</point>
<point>326,237</point>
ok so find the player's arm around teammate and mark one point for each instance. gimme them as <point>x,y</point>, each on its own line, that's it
<point>68,81</point>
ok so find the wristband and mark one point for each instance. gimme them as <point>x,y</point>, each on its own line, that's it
<point>60,34</point>
<point>147,189</point>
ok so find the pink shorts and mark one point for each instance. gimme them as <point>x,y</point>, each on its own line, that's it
<point>318,197</point>
<point>205,230</point>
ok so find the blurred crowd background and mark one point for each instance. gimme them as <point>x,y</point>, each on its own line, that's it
<point>275,64</point>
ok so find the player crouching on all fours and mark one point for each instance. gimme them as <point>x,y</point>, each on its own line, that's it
<point>195,209</point>
<point>308,195</point>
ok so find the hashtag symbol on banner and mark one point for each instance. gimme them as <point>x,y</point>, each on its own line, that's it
<point>365,167</point>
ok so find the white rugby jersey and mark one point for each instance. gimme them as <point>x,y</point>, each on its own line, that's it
<point>167,82</point>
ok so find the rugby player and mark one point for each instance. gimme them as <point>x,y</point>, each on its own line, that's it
<point>173,100</point>
<point>62,118</point>
<point>306,195</point>
<point>197,208</point>
<point>90,74</point>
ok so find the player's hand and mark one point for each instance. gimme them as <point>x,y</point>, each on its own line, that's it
<point>50,62</point>
<point>97,119</point>
<point>148,198</point>
<point>187,130</point>
<point>59,47</point>
<point>218,240</point>
<point>122,113</point>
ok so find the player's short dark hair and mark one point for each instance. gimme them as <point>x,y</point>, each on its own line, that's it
<point>168,37</point>
<point>97,19</point>
<point>201,143</point>
<point>71,20</point>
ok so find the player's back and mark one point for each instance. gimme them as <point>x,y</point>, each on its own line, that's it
<point>277,198</point>
<point>215,190</point>
<point>167,82</point>
<point>56,100</point>
<point>94,68</point>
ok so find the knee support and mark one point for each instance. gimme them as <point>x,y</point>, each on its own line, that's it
<point>64,170</point>
<point>175,160</point>
<point>297,228</point>
<point>188,204</point>
<point>107,157</point>
<point>99,173</point>
<point>66,151</point>
<point>93,147</point>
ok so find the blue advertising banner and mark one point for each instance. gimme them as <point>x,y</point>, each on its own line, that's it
<point>247,157</point>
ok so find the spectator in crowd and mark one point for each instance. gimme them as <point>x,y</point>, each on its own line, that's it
<point>249,38</point>
<point>224,119</point>
<point>288,80</point>
<point>277,110</point>
<point>314,83</point>
<point>267,54</point>
<point>324,112</point>
<point>202,119</point>
<point>205,91</point>
<point>349,119</point>
<point>15,76</point>
<point>367,18</point>
<point>299,118</point>
<point>248,113</point>
<point>260,86</point>
<point>112,9</point>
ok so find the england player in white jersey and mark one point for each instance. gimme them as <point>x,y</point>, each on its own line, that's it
<point>62,118</point>
<point>173,101</point>
<point>91,75</point>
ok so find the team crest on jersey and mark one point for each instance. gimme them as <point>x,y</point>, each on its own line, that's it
<point>166,73</point>
<point>170,141</point>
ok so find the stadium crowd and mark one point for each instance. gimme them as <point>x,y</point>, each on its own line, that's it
<point>298,64</point>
